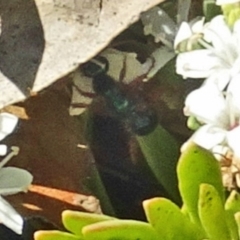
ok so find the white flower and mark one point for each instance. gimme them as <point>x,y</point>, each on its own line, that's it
<point>223,2</point>
<point>9,217</point>
<point>208,105</point>
<point>8,122</point>
<point>187,31</point>
<point>219,62</point>
<point>12,181</point>
<point>221,126</point>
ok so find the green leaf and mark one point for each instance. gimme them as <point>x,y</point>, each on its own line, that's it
<point>231,13</point>
<point>169,222</point>
<point>232,206</point>
<point>196,166</point>
<point>55,235</point>
<point>233,202</point>
<point>212,213</point>
<point>95,184</point>
<point>210,9</point>
<point>233,16</point>
<point>120,230</point>
<point>237,219</point>
<point>161,152</point>
<point>193,123</point>
<point>232,225</point>
<point>74,221</point>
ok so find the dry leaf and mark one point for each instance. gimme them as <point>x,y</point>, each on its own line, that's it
<point>82,90</point>
<point>43,40</point>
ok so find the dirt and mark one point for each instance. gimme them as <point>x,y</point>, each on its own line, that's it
<point>48,139</point>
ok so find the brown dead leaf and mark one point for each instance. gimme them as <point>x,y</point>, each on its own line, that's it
<point>43,40</point>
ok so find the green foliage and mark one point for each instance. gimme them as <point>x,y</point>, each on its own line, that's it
<point>231,13</point>
<point>210,9</point>
<point>161,152</point>
<point>197,166</point>
<point>165,216</point>
<point>193,123</point>
<point>71,219</point>
<point>204,215</point>
<point>120,229</point>
<point>210,208</point>
<point>54,234</point>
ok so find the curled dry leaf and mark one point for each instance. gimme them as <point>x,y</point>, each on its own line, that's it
<point>88,203</point>
<point>118,61</point>
<point>43,40</point>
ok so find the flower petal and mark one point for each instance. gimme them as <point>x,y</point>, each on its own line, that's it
<point>236,34</point>
<point>219,34</point>
<point>223,2</point>
<point>3,150</point>
<point>183,33</point>
<point>233,89</point>
<point>9,217</point>
<point>197,63</point>
<point>14,180</point>
<point>208,136</point>
<point>208,105</point>
<point>197,26</point>
<point>220,77</point>
<point>233,139</point>
<point>8,123</point>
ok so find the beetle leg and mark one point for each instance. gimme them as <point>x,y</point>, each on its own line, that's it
<point>122,73</point>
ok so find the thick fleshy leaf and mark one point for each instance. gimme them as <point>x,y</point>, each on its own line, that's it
<point>9,217</point>
<point>55,235</point>
<point>196,166</point>
<point>120,229</point>
<point>8,123</point>
<point>165,217</point>
<point>233,202</point>
<point>237,219</point>
<point>14,180</point>
<point>74,221</point>
<point>211,211</point>
<point>232,225</point>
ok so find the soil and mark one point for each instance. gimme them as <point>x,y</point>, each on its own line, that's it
<point>48,138</point>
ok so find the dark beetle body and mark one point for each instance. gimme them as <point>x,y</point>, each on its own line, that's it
<point>133,110</point>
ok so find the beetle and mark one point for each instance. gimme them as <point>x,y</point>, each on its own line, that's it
<point>121,102</point>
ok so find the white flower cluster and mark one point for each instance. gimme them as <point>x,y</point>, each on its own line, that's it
<point>12,179</point>
<point>222,2</point>
<point>216,104</point>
